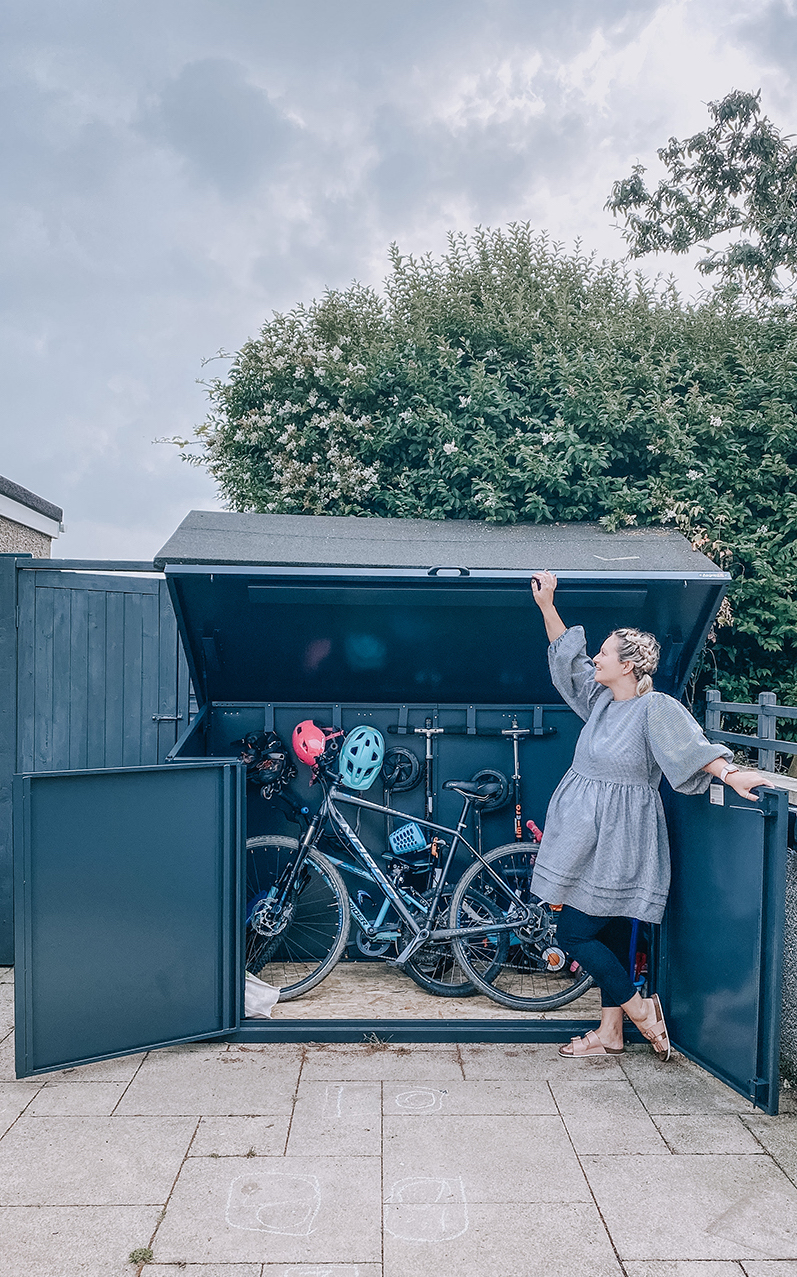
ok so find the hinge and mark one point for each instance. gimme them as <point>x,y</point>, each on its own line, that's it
<point>759,1092</point>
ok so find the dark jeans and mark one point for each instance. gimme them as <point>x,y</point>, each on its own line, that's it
<point>605,958</point>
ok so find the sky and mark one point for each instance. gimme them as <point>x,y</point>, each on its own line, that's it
<point>177,170</point>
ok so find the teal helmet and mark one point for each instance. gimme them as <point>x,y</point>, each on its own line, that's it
<point>361,756</point>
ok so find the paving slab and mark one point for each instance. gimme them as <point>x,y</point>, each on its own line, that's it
<point>321,1270</point>
<point>504,1098</point>
<point>498,1159</point>
<point>62,1241</point>
<point>778,1136</point>
<point>6,975</point>
<point>6,1008</point>
<point>496,1061</point>
<point>684,1268</point>
<point>695,1207</point>
<point>96,1161</point>
<point>708,1133</point>
<point>72,1099</point>
<point>203,1270</point>
<point>212,1082</point>
<point>589,1095</point>
<point>770,1268</point>
<point>121,1069</point>
<point>364,1062</point>
<point>236,1136</point>
<point>537,1240</point>
<point>14,1099</point>
<point>337,1119</point>
<point>678,1086</point>
<point>8,1071</point>
<point>289,1210</point>
<point>614,1132</point>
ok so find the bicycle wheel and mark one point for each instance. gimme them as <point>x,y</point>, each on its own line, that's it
<point>435,967</point>
<point>294,950</point>
<point>532,973</point>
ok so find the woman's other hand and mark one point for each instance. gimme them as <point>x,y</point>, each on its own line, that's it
<point>543,587</point>
<point>744,781</point>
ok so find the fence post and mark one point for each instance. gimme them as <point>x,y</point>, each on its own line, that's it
<point>767,730</point>
<point>713,716</point>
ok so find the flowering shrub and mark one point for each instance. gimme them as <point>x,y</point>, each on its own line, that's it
<point>510,381</point>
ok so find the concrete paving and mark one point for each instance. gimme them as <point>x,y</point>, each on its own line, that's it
<point>372,1160</point>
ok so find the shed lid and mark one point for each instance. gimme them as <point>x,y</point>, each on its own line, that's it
<point>340,610</point>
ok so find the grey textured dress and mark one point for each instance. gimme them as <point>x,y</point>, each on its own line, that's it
<point>605,849</point>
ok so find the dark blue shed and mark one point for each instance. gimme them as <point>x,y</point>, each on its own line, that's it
<point>390,622</point>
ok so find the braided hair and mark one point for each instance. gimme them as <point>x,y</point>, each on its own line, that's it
<point>643,651</point>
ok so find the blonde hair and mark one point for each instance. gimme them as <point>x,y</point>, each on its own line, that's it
<point>643,651</point>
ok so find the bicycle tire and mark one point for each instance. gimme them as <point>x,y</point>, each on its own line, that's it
<point>302,955</point>
<point>435,968</point>
<point>522,978</point>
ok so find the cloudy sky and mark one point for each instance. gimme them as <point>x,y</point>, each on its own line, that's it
<point>175,170</point>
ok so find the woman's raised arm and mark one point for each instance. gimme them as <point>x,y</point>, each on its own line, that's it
<point>543,586</point>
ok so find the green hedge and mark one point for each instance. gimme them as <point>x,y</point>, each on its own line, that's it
<point>513,382</point>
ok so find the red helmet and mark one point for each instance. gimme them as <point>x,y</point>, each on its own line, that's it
<point>309,741</point>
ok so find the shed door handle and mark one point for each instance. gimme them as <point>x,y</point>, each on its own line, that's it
<point>167,718</point>
<point>446,567</point>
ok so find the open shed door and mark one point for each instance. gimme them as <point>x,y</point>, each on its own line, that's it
<point>722,936</point>
<point>128,898</point>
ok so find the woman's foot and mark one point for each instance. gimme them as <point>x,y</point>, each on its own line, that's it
<point>591,1044</point>
<point>649,1019</point>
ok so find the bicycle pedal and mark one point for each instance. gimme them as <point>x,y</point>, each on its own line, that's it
<point>396,963</point>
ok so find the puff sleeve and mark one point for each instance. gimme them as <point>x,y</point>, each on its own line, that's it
<point>679,746</point>
<point>572,671</point>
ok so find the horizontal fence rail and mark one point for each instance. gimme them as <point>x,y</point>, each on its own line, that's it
<point>766,710</point>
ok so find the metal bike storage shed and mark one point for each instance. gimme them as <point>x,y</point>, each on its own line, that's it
<point>129,886</point>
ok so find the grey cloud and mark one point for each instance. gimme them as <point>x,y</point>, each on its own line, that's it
<point>226,128</point>
<point>773,31</point>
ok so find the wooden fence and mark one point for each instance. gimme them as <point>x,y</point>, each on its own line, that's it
<point>767,711</point>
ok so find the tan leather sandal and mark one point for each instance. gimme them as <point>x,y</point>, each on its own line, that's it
<point>590,1044</point>
<point>658,1037</point>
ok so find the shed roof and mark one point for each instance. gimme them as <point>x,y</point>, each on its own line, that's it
<point>216,537</point>
<point>15,492</point>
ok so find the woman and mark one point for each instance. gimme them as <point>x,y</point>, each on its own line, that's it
<point>604,855</point>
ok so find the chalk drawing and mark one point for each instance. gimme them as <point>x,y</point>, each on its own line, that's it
<point>421,1100</point>
<point>421,1209</point>
<point>274,1202</point>
<point>333,1100</point>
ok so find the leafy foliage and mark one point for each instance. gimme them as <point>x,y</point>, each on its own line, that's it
<point>510,381</point>
<point>738,175</point>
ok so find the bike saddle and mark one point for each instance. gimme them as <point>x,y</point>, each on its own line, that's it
<point>476,792</point>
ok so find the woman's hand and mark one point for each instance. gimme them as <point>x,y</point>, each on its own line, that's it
<point>543,587</point>
<point>744,781</point>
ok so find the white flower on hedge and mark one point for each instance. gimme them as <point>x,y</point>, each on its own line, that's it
<point>546,438</point>
<point>715,422</point>
<point>694,474</point>
<point>450,447</point>
<point>464,400</point>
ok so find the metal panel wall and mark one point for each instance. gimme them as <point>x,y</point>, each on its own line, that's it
<point>102,680</point>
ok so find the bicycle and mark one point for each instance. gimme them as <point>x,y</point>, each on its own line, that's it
<point>299,910</point>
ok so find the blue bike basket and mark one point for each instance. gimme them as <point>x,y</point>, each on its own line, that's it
<point>407,838</point>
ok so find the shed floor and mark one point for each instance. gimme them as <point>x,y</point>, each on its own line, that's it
<point>372,990</point>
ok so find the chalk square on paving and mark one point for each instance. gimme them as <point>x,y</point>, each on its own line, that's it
<point>680,1087</point>
<point>212,1083</point>
<point>473,1098</point>
<point>537,1240</point>
<point>74,1099</point>
<point>695,1207</point>
<point>515,1061</point>
<point>708,1133</point>
<point>299,1210</point>
<point>364,1062</point>
<point>14,1099</point>
<point>97,1161</point>
<point>235,1136</point>
<point>591,1096</point>
<point>337,1119</point>
<point>505,1159</point>
<point>58,1241</point>
<point>614,1132</point>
